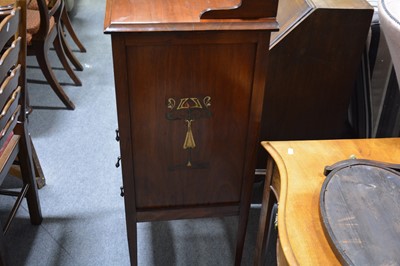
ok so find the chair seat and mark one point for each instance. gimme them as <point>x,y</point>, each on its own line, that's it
<point>33,21</point>
<point>34,5</point>
<point>33,24</point>
<point>7,152</point>
<point>389,14</point>
<point>7,140</point>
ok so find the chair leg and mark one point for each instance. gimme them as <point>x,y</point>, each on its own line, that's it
<point>15,208</point>
<point>41,56</point>
<point>40,179</point>
<point>67,23</point>
<point>69,53</point>
<point>64,62</point>
<point>3,255</point>
<point>28,175</point>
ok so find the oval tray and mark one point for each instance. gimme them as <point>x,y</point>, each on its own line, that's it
<point>360,212</point>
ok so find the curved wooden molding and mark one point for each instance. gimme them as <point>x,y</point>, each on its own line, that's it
<point>246,9</point>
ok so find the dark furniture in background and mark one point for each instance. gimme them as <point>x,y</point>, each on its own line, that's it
<point>318,47</point>
<point>189,98</point>
<point>385,63</point>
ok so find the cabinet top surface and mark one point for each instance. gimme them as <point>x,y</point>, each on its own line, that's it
<point>174,15</point>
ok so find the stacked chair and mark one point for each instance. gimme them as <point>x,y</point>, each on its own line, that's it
<point>66,22</point>
<point>46,21</point>
<point>14,138</point>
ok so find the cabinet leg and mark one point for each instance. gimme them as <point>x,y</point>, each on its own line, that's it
<point>267,203</point>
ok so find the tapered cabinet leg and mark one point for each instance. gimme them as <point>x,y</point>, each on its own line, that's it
<point>265,214</point>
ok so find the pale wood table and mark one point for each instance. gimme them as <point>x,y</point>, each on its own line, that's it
<point>295,174</point>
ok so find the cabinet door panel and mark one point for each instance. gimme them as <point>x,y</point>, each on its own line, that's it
<point>189,121</point>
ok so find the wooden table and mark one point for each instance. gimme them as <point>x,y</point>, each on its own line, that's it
<point>296,175</point>
<point>189,88</point>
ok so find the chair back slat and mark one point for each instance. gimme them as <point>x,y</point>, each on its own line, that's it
<point>8,27</point>
<point>9,84</point>
<point>10,125</point>
<point>9,108</point>
<point>10,72</point>
<point>14,136</point>
<point>9,58</point>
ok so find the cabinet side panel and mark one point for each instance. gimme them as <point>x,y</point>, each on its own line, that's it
<point>190,109</point>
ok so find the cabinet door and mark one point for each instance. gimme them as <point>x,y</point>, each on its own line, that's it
<point>190,104</point>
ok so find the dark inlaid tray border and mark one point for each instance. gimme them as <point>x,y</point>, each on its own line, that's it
<point>330,172</point>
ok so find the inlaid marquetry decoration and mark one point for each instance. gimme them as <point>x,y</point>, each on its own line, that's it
<point>189,110</point>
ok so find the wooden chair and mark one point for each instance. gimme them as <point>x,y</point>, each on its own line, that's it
<point>65,24</point>
<point>68,26</point>
<point>14,138</point>
<point>42,30</point>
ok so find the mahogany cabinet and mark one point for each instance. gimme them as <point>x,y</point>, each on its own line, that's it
<point>189,95</point>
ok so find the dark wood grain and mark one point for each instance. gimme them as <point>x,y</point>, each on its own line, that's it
<point>158,141</point>
<point>318,48</point>
<point>250,9</point>
<point>189,100</point>
<point>360,211</point>
<point>177,15</point>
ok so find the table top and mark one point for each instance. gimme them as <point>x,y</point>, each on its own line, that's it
<point>301,165</point>
<point>174,15</point>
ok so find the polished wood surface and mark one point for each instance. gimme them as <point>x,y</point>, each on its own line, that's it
<point>291,13</point>
<point>183,86</point>
<point>300,173</point>
<point>314,59</point>
<point>250,9</point>
<point>177,15</point>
